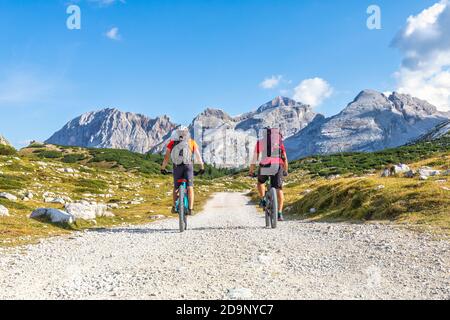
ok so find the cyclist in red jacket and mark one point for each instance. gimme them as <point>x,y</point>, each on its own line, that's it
<point>273,165</point>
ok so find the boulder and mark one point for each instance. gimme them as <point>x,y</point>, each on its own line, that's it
<point>8,196</point>
<point>410,174</point>
<point>400,168</point>
<point>423,178</point>
<point>428,172</point>
<point>55,200</point>
<point>88,211</point>
<point>55,215</point>
<point>113,206</point>
<point>386,173</point>
<point>29,195</point>
<point>4,212</point>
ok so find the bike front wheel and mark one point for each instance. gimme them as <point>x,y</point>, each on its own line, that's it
<point>273,208</point>
<point>182,209</point>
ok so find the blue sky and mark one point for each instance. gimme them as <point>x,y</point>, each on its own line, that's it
<point>178,57</point>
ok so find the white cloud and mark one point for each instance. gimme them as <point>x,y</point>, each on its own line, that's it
<point>312,91</point>
<point>425,44</point>
<point>113,34</point>
<point>271,82</point>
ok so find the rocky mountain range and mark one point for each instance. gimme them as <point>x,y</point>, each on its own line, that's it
<point>439,131</point>
<point>111,128</point>
<point>229,141</point>
<point>373,121</point>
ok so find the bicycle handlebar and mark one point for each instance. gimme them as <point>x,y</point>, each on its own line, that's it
<point>196,173</point>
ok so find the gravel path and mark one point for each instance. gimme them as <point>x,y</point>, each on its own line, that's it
<point>228,254</point>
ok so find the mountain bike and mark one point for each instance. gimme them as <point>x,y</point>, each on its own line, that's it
<point>182,203</point>
<point>270,205</point>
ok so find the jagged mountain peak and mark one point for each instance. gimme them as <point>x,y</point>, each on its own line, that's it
<point>3,141</point>
<point>112,128</point>
<point>278,102</point>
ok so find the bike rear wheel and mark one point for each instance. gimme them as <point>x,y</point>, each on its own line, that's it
<point>273,209</point>
<point>182,209</point>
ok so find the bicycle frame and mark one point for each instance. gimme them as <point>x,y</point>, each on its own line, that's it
<point>186,197</point>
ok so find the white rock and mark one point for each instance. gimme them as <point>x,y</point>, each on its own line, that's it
<point>55,215</point>
<point>55,200</point>
<point>29,195</point>
<point>4,212</point>
<point>312,210</point>
<point>157,217</point>
<point>380,187</point>
<point>88,211</point>
<point>113,206</point>
<point>410,174</point>
<point>423,178</point>
<point>400,168</point>
<point>8,196</point>
<point>239,294</point>
<point>428,172</point>
<point>386,173</point>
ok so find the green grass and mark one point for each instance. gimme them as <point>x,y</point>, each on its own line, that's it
<point>90,186</point>
<point>361,163</point>
<point>10,182</point>
<point>148,164</point>
<point>7,150</point>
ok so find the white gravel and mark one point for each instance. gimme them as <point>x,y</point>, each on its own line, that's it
<point>227,254</point>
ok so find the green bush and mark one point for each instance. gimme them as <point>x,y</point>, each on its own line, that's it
<point>7,150</point>
<point>147,163</point>
<point>360,163</point>
<point>49,154</point>
<point>73,158</point>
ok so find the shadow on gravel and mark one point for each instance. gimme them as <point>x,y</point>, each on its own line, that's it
<point>149,231</point>
<point>133,230</point>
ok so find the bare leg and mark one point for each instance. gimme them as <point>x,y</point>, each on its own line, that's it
<point>280,196</point>
<point>191,197</point>
<point>261,189</point>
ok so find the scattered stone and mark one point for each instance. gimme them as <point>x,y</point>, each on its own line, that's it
<point>386,173</point>
<point>8,196</point>
<point>157,217</point>
<point>55,200</point>
<point>428,172</point>
<point>380,187</point>
<point>410,174</point>
<point>239,294</point>
<point>55,215</point>
<point>312,210</point>
<point>113,206</point>
<point>400,168</point>
<point>423,178</point>
<point>4,212</point>
<point>29,195</point>
<point>88,211</point>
